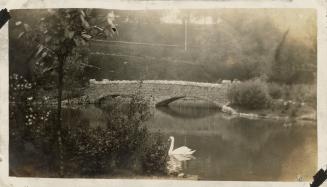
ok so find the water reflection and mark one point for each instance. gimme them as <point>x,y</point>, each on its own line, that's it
<point>227,148</point>
<point>177,163</point>
<point>240,148</point>
<point>185,112</point>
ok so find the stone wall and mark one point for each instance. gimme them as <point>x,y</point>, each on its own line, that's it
<point>159,92</point>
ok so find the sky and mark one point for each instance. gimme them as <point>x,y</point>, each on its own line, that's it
<point>301,23</point>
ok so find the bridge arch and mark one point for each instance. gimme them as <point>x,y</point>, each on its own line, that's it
<point>167,101</point>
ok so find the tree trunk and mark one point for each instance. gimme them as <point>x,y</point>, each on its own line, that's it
<point>59,128</point>
<point>280,45</point>
<point>277,71</point>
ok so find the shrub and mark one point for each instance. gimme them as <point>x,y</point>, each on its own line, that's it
<point>303,93</point>
<point>276,91</point>
<point>125,144</point>
<point>155,156</point>
<point>251,94</point>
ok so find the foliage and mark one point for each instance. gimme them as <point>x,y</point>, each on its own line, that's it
<point>276,91</point>
<point>302,93</point>
<point>124,144</point>
<point>20,89</point>
<point>58,41</point>
<point>154,159</point>
<point>99,151</point>
<point>306,93</point>
<point>53,38</point>
<point>294,62</point>
<point>228,50</point>
<point>22,102</point>
<point>251,94</point>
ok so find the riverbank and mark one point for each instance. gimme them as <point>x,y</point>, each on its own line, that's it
<point>286,113</point>
<point>280,110</point>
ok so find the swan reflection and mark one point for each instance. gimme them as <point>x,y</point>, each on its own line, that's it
<point>177,163</point>
<point>178,158</point>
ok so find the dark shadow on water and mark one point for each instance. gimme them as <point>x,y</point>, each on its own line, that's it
<point>188,112</point>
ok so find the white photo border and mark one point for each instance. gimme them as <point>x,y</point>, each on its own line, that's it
<point>5,180</point>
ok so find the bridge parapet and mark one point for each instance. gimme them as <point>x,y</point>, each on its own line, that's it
<point>168,82</point>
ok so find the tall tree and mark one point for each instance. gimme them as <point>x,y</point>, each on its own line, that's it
<point>277,65</point>
<point>60,37</point>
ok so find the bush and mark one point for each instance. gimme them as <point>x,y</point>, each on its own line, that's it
<point>124,145</point>
<point>296,92</point>
<point>155,156</point>
<point>303,93</point>
<point>276,91</point>
<point>251,94</point>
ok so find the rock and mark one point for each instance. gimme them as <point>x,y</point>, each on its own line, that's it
<point>309,117</point>
<point>250,116</point>
<point>228,110</point>
<point>181,175</point>
<point>92,81</point>
<point>236,81</point>
<point>105,81</point>
<point>226,81</point>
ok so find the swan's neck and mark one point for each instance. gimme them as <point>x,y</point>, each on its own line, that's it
<point>171,146</point>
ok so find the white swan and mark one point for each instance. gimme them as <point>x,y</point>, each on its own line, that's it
<point>181,151</point>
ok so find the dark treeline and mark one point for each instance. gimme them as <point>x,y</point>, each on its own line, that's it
<point>237,45</point>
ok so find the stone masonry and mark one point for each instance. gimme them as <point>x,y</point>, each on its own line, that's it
<point>159,92</point>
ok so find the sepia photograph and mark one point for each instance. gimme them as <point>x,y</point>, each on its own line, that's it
<point>222,94</point>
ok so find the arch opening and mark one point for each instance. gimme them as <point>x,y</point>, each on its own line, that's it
<point>167,101</point>
<point>209,102</point>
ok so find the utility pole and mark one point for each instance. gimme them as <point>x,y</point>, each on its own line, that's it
<point>185,33</point>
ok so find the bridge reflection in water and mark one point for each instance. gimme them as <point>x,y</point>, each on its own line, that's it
<point>184,108</point>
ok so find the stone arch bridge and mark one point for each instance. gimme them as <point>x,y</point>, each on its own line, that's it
<point>159,92</point>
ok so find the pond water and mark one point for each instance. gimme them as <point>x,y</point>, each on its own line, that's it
<point>231,148</point>
<point>227,147</point>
